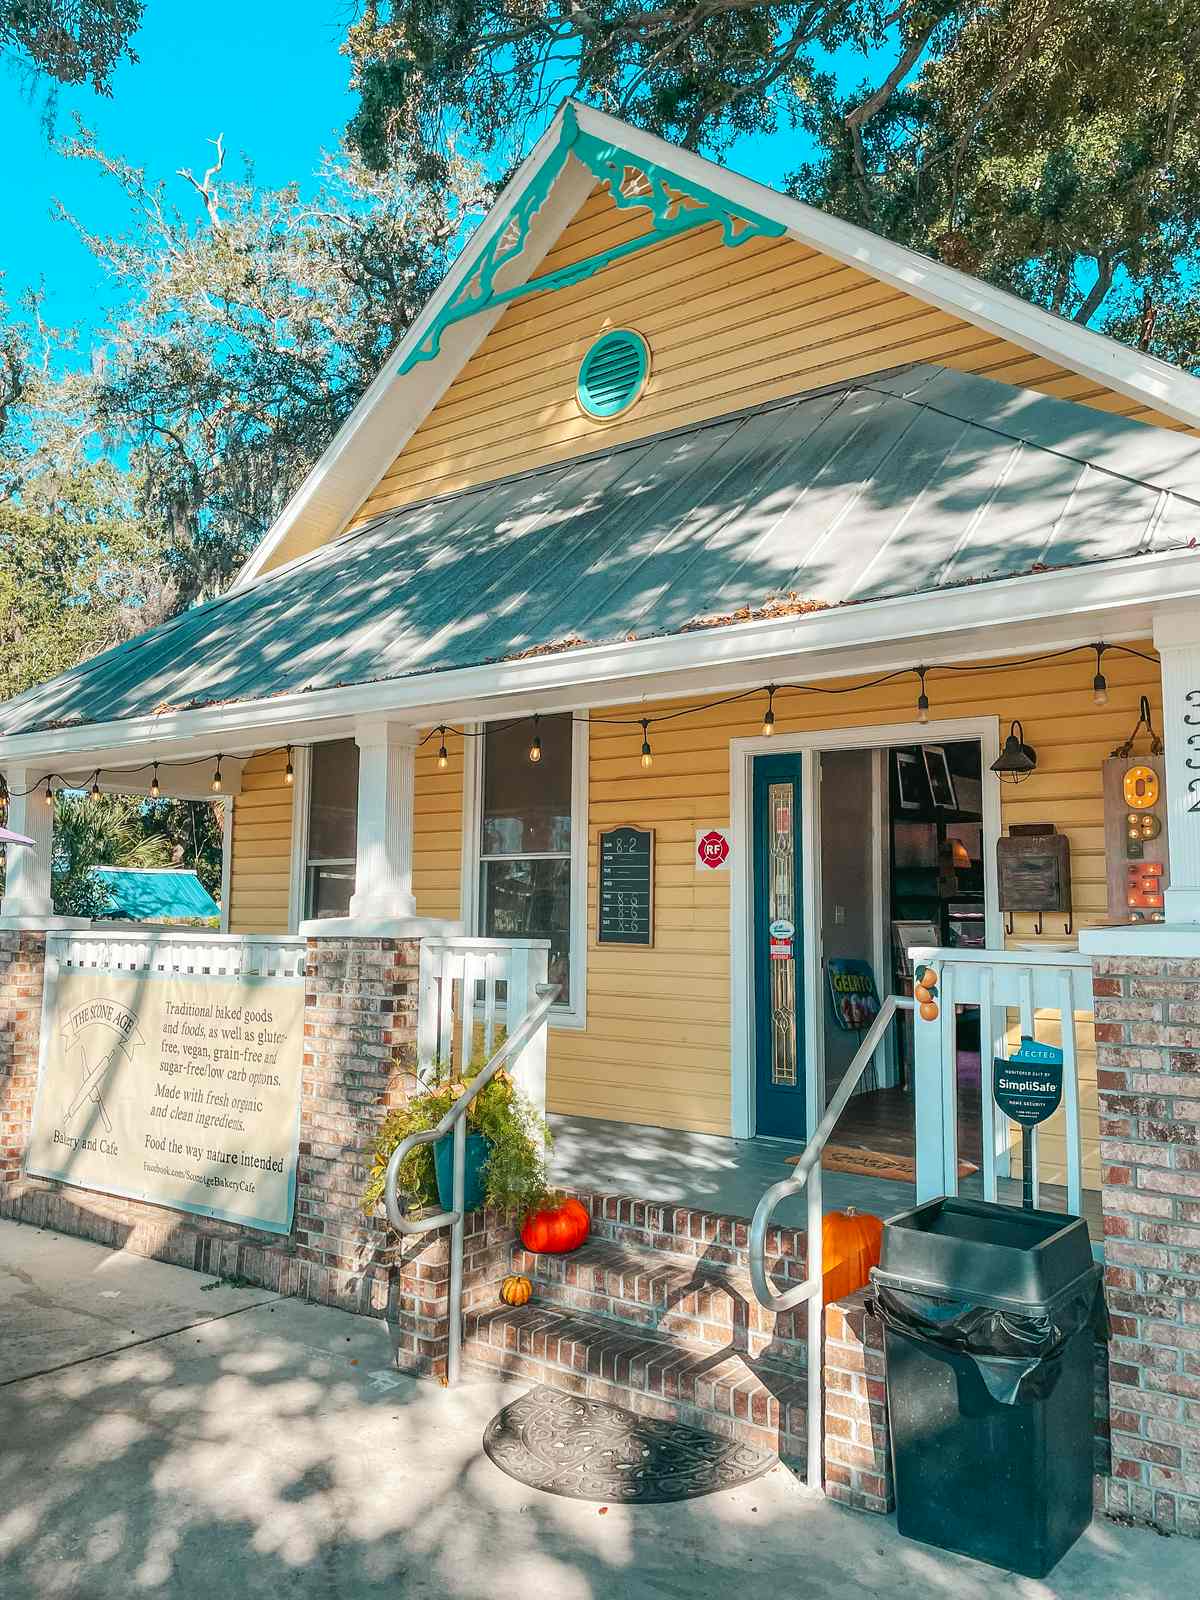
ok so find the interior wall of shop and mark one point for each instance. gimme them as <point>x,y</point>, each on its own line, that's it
<point>848,881</point>
<point>656,1047</point>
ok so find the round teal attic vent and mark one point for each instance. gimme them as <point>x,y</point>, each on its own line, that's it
<point>613,373</point>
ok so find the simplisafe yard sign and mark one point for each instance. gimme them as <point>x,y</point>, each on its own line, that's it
<point>712,850</point>
<point>1028,1086</point>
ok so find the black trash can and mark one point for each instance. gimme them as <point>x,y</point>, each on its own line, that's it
<point>990,1317</point>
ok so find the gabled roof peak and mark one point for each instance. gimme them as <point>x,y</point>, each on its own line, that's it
<point>583,146</point>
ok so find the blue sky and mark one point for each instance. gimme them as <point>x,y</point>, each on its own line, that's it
<point>267,75</point>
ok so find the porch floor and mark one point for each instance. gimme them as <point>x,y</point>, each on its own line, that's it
<point>713,1173</point>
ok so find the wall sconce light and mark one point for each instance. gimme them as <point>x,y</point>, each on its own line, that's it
<point>1017,760</point>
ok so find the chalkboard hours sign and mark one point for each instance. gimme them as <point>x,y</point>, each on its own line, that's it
<point>626,886</point>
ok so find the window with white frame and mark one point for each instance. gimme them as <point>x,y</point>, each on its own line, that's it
<point>530,844</point>
<point>332,828</point>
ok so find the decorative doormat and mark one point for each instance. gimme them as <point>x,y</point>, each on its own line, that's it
<point>874,1163</point>
<point>592,1450</point>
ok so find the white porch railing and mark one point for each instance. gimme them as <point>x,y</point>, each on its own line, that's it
<point>168,952</point>
<point>998,982</point>
<point>460,1007</point>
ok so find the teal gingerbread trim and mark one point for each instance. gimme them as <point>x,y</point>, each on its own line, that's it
<point>676,206</point>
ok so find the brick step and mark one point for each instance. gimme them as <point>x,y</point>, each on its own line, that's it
<point>714,1238</point>
<point>703,1303</point>
<point>753,1401</point>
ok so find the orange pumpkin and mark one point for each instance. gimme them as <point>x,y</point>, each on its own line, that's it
<point>850,1242</point>
<point>557,1229</point>
<point>516,1290</point>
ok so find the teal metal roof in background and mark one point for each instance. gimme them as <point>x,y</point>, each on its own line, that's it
<point>907,483</point>
<point>151,894</point>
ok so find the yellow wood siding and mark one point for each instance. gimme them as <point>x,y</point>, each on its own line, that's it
<point>657,1045</point>
<point>260,868</point>
<point>438,829</point>
<point>726,327</point>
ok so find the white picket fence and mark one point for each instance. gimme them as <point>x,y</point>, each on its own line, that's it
<point>461,1006</point>
<point>169,953</point>
<point>1039,989</point>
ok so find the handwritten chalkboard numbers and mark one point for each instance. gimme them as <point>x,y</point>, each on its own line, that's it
<point>626,886</point>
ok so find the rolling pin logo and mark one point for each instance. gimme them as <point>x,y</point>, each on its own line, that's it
<point>97,1035</point>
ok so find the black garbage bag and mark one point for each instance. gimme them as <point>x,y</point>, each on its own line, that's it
<point>1016,1352</point>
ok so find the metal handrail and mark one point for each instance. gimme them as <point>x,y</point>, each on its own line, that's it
<point>455,1122</point>
<point>808,1176</point>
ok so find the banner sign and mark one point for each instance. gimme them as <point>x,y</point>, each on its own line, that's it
<point>181,1091</point>
<point>852,992</point>
<point>1028,1085</point>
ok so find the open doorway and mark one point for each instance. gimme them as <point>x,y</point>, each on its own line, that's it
<point>901,863</point>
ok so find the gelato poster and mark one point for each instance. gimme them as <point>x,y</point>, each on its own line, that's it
<point>179,1091</point>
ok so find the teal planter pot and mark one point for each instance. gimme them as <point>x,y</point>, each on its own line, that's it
<point>478,1150</point>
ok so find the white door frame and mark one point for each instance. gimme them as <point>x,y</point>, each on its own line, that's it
<point>741,758</point>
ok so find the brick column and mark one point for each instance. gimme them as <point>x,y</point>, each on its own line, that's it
<point>858,1461</point>
<point>360,1000</point>
<point>22,975</point>
<point>1148,1058</point>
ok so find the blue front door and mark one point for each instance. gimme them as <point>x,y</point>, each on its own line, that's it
<point>778,972</point>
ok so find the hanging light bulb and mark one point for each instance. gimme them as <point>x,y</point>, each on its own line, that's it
<point>922,698</point>
<point>1100,682</point>
<point>647,753</point>
<point>442,755</point>
<point>216,777</point>
<point>768,726</point>
<point>535,749</point>
<point>289,772</point>
<point>96,784</point>
<point>49,795</point>
<point>155,789</point>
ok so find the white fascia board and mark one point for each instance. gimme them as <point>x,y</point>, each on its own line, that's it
<point>1116,599</point>
<point>394,406</point>
<point>1131,372</point>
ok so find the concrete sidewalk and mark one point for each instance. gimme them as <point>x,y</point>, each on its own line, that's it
<point>160,1439</point>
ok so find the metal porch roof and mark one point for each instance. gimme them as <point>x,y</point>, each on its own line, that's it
<point>887,486</point>
<point>144,894</point>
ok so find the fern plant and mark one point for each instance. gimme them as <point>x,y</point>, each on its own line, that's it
<point>514,1175</point>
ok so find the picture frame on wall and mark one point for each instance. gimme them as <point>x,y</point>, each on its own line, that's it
<point>908,781</point>
<point>941,781</point>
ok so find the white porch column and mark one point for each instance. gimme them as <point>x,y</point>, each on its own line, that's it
<point>382,905</point>
<point>387,754</point>
<point>27,898</point>
<point>1177,639</point>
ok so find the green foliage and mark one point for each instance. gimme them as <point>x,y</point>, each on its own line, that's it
<point>515,1173</point>
<point>109,832</point>
<point>70,41</point>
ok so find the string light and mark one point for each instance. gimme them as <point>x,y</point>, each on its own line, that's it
<point>768,726</point>
<point>1099,695</point>
<point>1100,682</point>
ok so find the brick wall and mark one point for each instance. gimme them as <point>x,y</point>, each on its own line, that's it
<point>1148,1059</point>
<point>359,1056</point>
<point>858,1462</point>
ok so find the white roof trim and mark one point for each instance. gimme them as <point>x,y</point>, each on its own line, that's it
<point>393,407</point>
<point>1111,600</point>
